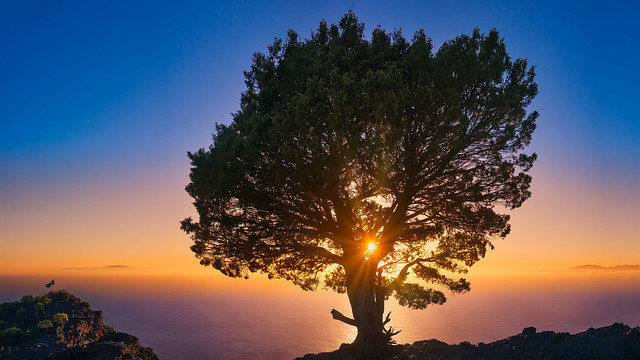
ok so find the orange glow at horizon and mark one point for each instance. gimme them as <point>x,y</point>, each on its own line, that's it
<point>133,221</point>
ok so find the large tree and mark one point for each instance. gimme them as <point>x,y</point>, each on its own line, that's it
<point>372,167</point>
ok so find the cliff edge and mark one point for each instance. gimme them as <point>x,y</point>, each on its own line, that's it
<point>60,326</point>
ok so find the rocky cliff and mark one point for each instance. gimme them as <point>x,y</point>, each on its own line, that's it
<point>60,326</point>
<point>614,342</point>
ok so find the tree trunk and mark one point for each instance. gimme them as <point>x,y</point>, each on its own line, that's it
<point>367,309</point>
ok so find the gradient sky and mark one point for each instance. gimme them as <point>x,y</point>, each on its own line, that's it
<point>101,100</point>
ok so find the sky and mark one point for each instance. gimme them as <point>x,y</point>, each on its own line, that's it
<point>101,100</point>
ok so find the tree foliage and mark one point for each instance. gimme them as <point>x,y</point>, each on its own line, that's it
<point>341,141</point>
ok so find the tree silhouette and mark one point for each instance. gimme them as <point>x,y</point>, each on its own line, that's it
<point>371,167</point>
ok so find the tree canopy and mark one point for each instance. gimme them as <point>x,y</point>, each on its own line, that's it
<point>350,153</point>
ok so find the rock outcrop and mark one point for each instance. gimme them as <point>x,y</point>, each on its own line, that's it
<point>614,342</point>
<point>59,326</point>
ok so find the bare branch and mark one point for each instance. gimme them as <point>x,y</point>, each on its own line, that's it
<point>340,317</point>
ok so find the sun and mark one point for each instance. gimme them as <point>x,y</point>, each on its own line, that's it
<point>371,248</point>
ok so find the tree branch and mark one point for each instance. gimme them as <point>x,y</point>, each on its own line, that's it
<point>402,275</point>
<point>319,251</point>
<point>340,317</point>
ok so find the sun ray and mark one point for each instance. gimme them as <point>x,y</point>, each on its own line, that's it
<point>371,248</point>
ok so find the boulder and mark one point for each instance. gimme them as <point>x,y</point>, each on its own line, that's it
<point>614,342</point>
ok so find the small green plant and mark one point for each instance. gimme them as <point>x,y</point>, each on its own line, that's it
<point>7,308</point>
<point>12,331</point>
<point>60,318</point>
<point>39,306</point>
<point>21,311</point>
<point>45,324</point>
<point>132,349</point>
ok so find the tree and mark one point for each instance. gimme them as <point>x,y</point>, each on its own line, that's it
<point>372,167</point>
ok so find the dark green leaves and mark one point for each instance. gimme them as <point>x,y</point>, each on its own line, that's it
<point>418,297</point>
<point>341,140</point>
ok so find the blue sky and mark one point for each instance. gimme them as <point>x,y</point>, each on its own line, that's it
<point>106,95</point>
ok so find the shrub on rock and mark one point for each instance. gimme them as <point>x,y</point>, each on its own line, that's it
<point>60,318</point>
<point>45,324</point>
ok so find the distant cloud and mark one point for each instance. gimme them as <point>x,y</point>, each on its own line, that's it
<point>610,268</point>
<point>108,267</point>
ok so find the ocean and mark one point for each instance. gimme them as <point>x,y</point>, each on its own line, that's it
<point>211,317</point>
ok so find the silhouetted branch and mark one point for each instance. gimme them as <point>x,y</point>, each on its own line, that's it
<point>387,319</point>
<point>339,316</point>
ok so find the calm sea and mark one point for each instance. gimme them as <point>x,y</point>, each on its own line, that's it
<point>208,317</point>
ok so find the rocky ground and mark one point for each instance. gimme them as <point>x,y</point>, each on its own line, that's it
<point>59,326</point>
<point>614,342</point>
